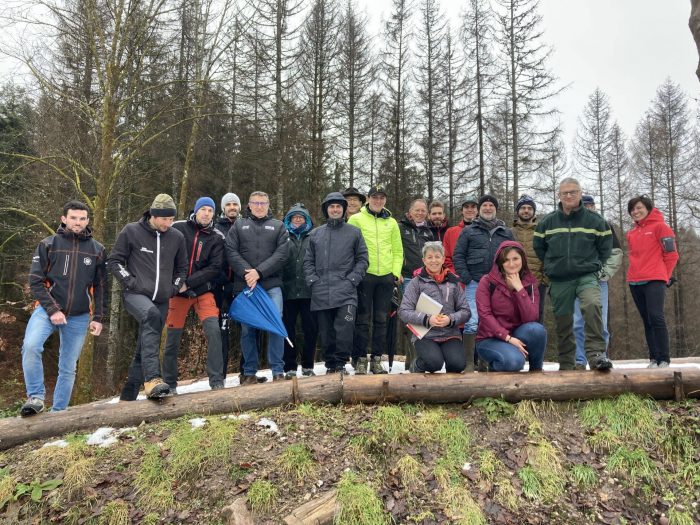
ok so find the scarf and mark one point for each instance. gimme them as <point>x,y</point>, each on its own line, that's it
<point>438,277</point>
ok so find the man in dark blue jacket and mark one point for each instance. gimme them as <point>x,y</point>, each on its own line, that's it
<point>66,269</point>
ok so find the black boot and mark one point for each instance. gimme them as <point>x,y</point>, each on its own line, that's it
<point>215,361</point>
<point>170,353</point>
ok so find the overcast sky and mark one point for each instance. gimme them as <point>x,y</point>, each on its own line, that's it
<point>625,47</point>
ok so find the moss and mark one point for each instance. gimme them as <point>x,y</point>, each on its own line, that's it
<point>262,496</point>
<point>359,503</point>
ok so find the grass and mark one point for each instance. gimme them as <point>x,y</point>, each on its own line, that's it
<point>390,424</point>
<point>489,465</point>
<point>630,418</point>
<point>506,495</point>
<point>359,503</point>
<point>297,461</point>
<point>679,517</point>
<point>115,513</point>
<point>7,487</point>
<point>460,507</point>
<point>583,476</point>
<point>194,450</point>
<point>494,408</point>
<point>77,476</point>
<point>153,482</point>
<point>631,464</point>
<point>543,476</point>
<point>409,471</point>
<point>262,496</point>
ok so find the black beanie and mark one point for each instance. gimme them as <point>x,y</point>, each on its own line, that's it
<point>488,198</point>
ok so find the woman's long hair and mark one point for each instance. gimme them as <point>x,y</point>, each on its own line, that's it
<point>501,258</point>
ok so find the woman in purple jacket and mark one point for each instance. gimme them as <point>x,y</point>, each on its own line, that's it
<point>508,300</point>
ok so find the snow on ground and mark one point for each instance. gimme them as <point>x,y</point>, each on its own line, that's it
<point>106,436</point>
<point>61,443</point>
<point>198,422</point>
<point>269,425</point>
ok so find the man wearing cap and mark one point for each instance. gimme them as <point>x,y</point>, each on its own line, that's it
<point>610,268</point>
<point>383,239</point>
<point>334,265</point>
<point>473,258</point>
<point>524,230</point>
<point>149,259</point>
<point>355,201</point>
<point>470,210</point>
<point>223,292</point>
<point>573,243</point>
<point>205,256</point>
<point>256,249</point>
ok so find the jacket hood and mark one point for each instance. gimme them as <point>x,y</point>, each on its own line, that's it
<point>526,225</point>
<point>495,274</point>
<point>193,220</point>
<point>654,216</point>
<point>85,234</point>
<point>298,209</point>
<point>334,196</point>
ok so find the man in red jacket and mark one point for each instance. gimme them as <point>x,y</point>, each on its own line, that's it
<point>470,209</point>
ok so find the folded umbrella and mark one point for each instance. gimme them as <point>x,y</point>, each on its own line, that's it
<point>256,309</point>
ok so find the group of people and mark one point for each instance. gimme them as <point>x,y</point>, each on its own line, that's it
<point>488,280</point>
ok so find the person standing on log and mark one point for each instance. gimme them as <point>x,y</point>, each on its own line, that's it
<point>297,294</point>
<point>653,256</point>
<point>68,280</point>
<point>355,201</point>
<point>149,259</point>
<point>256,248</point>
<point>610,268</point>
<point>205,255</point>
<point>385,251</point>
<point>442,344</point>
<point>524,231</point>
<point>508,301</point>
<point>223,291</point>
<point>415,232</point>
<point>334,265</point>
<point>573,243</point>
<point>470,209</point>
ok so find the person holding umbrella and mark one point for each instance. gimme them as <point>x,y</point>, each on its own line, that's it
<point>256,248</point>
<point>334,266</point>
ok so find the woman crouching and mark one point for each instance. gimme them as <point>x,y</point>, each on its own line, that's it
<point>508,303</point>
<point>442,344</point>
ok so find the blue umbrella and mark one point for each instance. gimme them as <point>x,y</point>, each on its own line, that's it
<point>256,309</point>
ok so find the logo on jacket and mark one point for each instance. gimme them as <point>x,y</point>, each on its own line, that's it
<point>270,228</point>
<point>87,261</point>
<point>144,249</point>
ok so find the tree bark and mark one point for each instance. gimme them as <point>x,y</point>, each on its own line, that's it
<point>694,24</point>
<point>319,511</point>
<point>411,388</point>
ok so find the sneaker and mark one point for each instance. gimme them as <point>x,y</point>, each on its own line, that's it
<point>376,366</point>
<point>156,388</point>
<point>360,366</point>
<point>308,372</point>
<point>217,386</point>
<point>33,406</point>
<point>291,374</point>
<point>653,364</point>
<point>664,364</point>
<point>278,377</point>
<point>248,380</point>
<point>600,362</point>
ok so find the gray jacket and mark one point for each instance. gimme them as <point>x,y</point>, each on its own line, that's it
<point>449,294</point>
<point>335,264</point>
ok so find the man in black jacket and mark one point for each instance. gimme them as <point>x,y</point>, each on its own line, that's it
<point>149,258</point>
<point>65,267</point>
<point>334,265</point>
<point>205,254</point>
<point>256,249</point>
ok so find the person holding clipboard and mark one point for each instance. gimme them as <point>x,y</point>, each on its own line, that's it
<point>434,307</point>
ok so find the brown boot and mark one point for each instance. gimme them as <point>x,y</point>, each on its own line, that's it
<point>156,388</point>
<point>468,342</point>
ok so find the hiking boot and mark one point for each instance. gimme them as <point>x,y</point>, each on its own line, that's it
<point>580,366</point>
<point>291,374</point>
<point>33,406</point>
<point>482,366</point>
<point>156,388</point>
<point>653,364</point>
<point>376,366</point>
<point>600,362</point>
<point>279,377</point>
<point>360,366</point>
<point>248,380</point>
<point>308,372</point>
<point>217,386</point>
<point>664,364</point>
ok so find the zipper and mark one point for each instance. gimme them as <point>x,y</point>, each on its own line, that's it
<point>71,279</point>
<point>155,291</point>
<point>65,265</point>
<point>194,243</point>
<point>376,231</point>
<point>199,250</point>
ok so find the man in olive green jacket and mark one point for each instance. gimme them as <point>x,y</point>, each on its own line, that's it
<point>574,243</point>
<point>383,239</point>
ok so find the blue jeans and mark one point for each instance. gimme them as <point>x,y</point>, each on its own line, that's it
<point>275,343</point>
<point>578,324</point>
<point>72,336</point>
<point>504,357</point>
<point>473,323</point>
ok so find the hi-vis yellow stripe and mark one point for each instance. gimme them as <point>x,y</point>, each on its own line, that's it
<point>573,230</point>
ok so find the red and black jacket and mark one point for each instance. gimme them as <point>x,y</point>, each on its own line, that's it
<point>65,268</point>
<point>205,255</point>
<point>652,249</point>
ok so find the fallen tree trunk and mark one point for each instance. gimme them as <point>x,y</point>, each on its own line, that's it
<point>666,383</point>
<point>319,511</point>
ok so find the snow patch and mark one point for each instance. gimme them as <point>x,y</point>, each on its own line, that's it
<point>198,422</point>
<point>61,443</point>
<point>269,425</point>
<point>241,417</point>
<point>106,436</point>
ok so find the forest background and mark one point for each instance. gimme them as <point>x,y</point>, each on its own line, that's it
<point>124,99</point>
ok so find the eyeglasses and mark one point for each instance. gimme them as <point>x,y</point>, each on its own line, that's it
<point>571,193</point>
<point>258,203</point>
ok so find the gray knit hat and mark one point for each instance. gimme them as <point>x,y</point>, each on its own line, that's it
<point>163,206</point>
<point>229,197</point>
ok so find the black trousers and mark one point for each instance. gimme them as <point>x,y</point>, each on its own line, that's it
<point>336,329</point>
<point>290,311</point>
<point>374,299</point>
<point>649,299</point>
<point>431,355</point>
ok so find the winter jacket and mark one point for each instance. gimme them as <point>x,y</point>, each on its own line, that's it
<point>652,249</point>
<point>502,310</point>
<point>524,233</point>
<point>205,255</point>
<point>64,268</point>
<point>260,244</point>
<point>413,238</point>
<point>293,281</point>
<point>572,245</point>
<point>149,262</point>
<point>223,224</point>
<point>449,242</point>
<point>449,294</point>
<point>335,264</point>
<point>383,239</point>
<point>440,231</point>
<point>476,248</point>
<point>613,263</point>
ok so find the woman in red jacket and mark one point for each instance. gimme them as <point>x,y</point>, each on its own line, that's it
<point>653,256</point>
<point>508,302</point>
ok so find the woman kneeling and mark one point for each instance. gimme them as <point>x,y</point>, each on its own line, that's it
<point>508,303</point>
<point>442,345</point>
